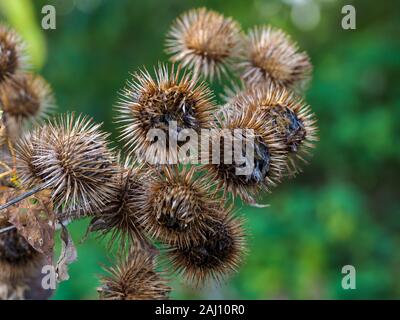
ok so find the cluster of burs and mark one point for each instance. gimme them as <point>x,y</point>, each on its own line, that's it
<point>163,219</point>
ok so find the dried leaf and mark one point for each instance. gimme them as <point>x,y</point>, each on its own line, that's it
<point>3,220</point>
<point>35,220</point>
<point>67,256</point>
<point>6,193</point>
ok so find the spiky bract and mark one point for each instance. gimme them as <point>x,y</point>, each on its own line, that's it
<point>69,156</point>
<point>217,256</point>
<point>177,206</point>
<point>291,119</point>
<point>269,55</point>
<point>170,102</point>
<point>205,41</point>
<point>12,56</point>
<point>18,259</point>
<point>252,156</point>
<point>28,150</point>
<point>120,215</point>
<point>25,96</point>
<point>134,278</point>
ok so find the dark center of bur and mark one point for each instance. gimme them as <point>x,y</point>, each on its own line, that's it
<point>171,217</point>
<point>216,249</point>
<point>171,223</point>
<point>291,127</point>
<point>259,161</point>
<point>182,115</point>
<point>262,160</point>
<point>296,132</point>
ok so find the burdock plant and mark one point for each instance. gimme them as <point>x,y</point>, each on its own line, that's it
<point>205,41</point>
<point>12,53</point>
<point>165,217</point>
<point>70,157</point>
<point>178,207</point>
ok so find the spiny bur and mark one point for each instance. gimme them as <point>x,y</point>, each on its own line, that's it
<point>177,205</point>
<point>260,162</point>
<point>26,96</point>
<point>70,156</point>
<point>216,257</point>
<point>120,215</point>
<point>170,100</point>
<point>291,118</point>
<point>12,55</point>
<point>133,278</point>
<point>270,55</point>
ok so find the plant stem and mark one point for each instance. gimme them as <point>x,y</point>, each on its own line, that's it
<point>22,197</point>
<point>7,229</point>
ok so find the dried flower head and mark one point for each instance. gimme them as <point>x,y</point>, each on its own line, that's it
<point>18,259</point>
<point>25,96</point>
<point>69,156</point>
<point>269,55</point>
<point>169,103</point>
<point>134,278</point>
<point>177,206</point>
<point>252,156</point>
<point>12,56</point>
<point>119,217</point>
<point>216,257</point>
<point>205,41</point>
<point>28,149</point>
<point>290,117</point>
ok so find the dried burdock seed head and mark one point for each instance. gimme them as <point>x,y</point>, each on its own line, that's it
<point>18,259</point>
<point>219,255</point>
<point>134,278</point>
<point>230,91</point>
<point>70,156</point>
<point>26,96</point>
<point>119,217</point>
<point>28,150</point>
<point>269,55</point>
<point>177,206</point>
<point>12,56</point>
<point>204,41</point>
<point>292,120</point>
<point>171,101</point>
<point>252,156</point>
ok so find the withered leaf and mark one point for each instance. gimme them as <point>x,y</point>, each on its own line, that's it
<point>68,255</point>
<point>6,193</point>
<point>34,219</point>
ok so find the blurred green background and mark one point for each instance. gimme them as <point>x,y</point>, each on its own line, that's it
<point>344,208</point>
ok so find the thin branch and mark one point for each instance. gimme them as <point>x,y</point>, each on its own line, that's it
<point>6,229</point>
<point>22,197</point>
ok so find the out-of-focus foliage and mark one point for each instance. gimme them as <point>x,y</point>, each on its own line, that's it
<point>21,15</point>
<point>344,208</point>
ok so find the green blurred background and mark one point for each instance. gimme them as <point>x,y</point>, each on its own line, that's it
<point>344,208</point>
